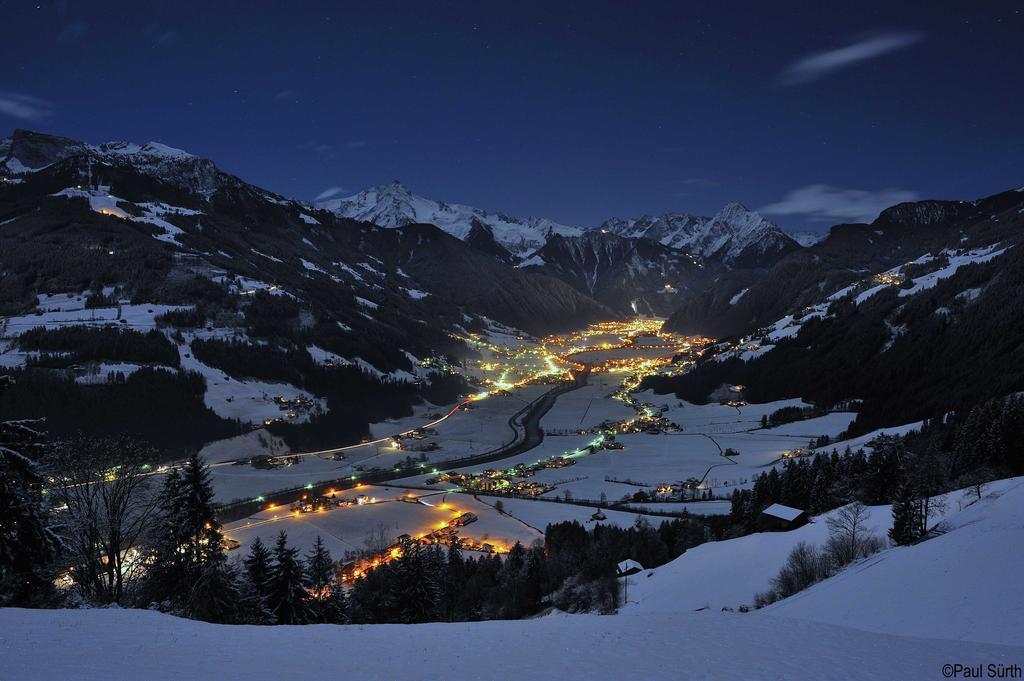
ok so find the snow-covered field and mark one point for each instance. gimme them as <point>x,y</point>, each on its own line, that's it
<point>138,645</point>
<point>346,528</point>
<point>588,406</point>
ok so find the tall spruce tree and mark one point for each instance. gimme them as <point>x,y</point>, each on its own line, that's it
<point>27,543</point>
<point>326,598</point>
<point>289,600</point>
<point>416,587</point>
<point>905,522</point>
<point>190,570</point>
<point>258,568</point>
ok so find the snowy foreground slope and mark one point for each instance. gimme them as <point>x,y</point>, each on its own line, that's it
<point>964,584</point>
<point>124,645</point>
<point>961,585</point>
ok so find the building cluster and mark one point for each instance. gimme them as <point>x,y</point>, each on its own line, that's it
<point>290,408</point>
<point>447,533</point>
<point>268,462</point>
<point>505,481</point>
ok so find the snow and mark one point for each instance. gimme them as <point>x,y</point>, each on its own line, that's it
<point>533,261</point>
<point>250,401</point>
<point>309,219</point>
<point>714,507</point>
<point>392,205</point>
<point>969,295</point>
<point>264,255</point>
<point>101,201</point>
<point>960,585</point>
<point>864,295</point>
<point>842,293</point>
<point>141,317</point>
<point>311,266</point>
<point>321,356</point>
<point>862,441</point>
<point>103,644</point>
<point>367,303</point>
<point>415,294</point>
<point>927,281</point>
<point>98,372</point>
<point>727,235</point>
<point>783,512</point>
<point>345,528</point>
<point>736,298</point>
<point>728,573</point>
<point>807,239</point>
<point>832,424</point>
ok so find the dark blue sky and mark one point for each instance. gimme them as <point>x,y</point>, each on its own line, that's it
<point>575,111</point>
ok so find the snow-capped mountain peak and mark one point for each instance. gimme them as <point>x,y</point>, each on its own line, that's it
<point>27,151</point>
<point>393,205</point>
<point>736,236</point>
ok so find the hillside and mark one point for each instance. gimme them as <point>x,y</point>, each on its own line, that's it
<point>954,586</point>
<point>933,334</point>
<point>134,645</point>
<point>630,275</point>
<point>802,277</point>
<point>156,273</point>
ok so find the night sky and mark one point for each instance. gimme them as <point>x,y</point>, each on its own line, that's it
<point>817,112</point>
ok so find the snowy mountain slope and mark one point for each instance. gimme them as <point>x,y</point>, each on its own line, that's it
<point>393,205</point>
<point>805,276</point>
<point>632,275</point>
<point>806,239</point>
<point>959,585</point>
<point>736,236</point>
<point>28,152</point>
<point>137,645</point>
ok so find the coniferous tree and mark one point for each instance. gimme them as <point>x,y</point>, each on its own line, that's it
<point>257,568</point>
<point>905,524</point>
<point>416,588</point>
<point>190,570</point>
<point>326,597</point>
<point>453,583</point>
<point>27,544</point>
<point>289,600</point>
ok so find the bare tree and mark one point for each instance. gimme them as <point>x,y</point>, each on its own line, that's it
<point>104,488</point>
<point>376,541</point>
<point>848,534</point>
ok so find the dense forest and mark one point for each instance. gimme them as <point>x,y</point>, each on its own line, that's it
<point>149,404</point>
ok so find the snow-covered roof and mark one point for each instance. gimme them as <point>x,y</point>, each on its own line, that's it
<point>629,564</point>
<point>784,512</point>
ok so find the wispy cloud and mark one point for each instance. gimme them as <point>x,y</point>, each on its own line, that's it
<point>822,64</point>
<point>283,95</point>
<point>331,152</point>
<point>330,192</point>
<point>699,183</point>
<point>25,107</point>
<point>823,202</point>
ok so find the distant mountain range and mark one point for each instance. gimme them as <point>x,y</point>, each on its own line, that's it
<point>735,237</point>
<point>393,205</point>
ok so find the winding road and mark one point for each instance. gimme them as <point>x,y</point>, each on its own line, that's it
<point>525,424</point>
